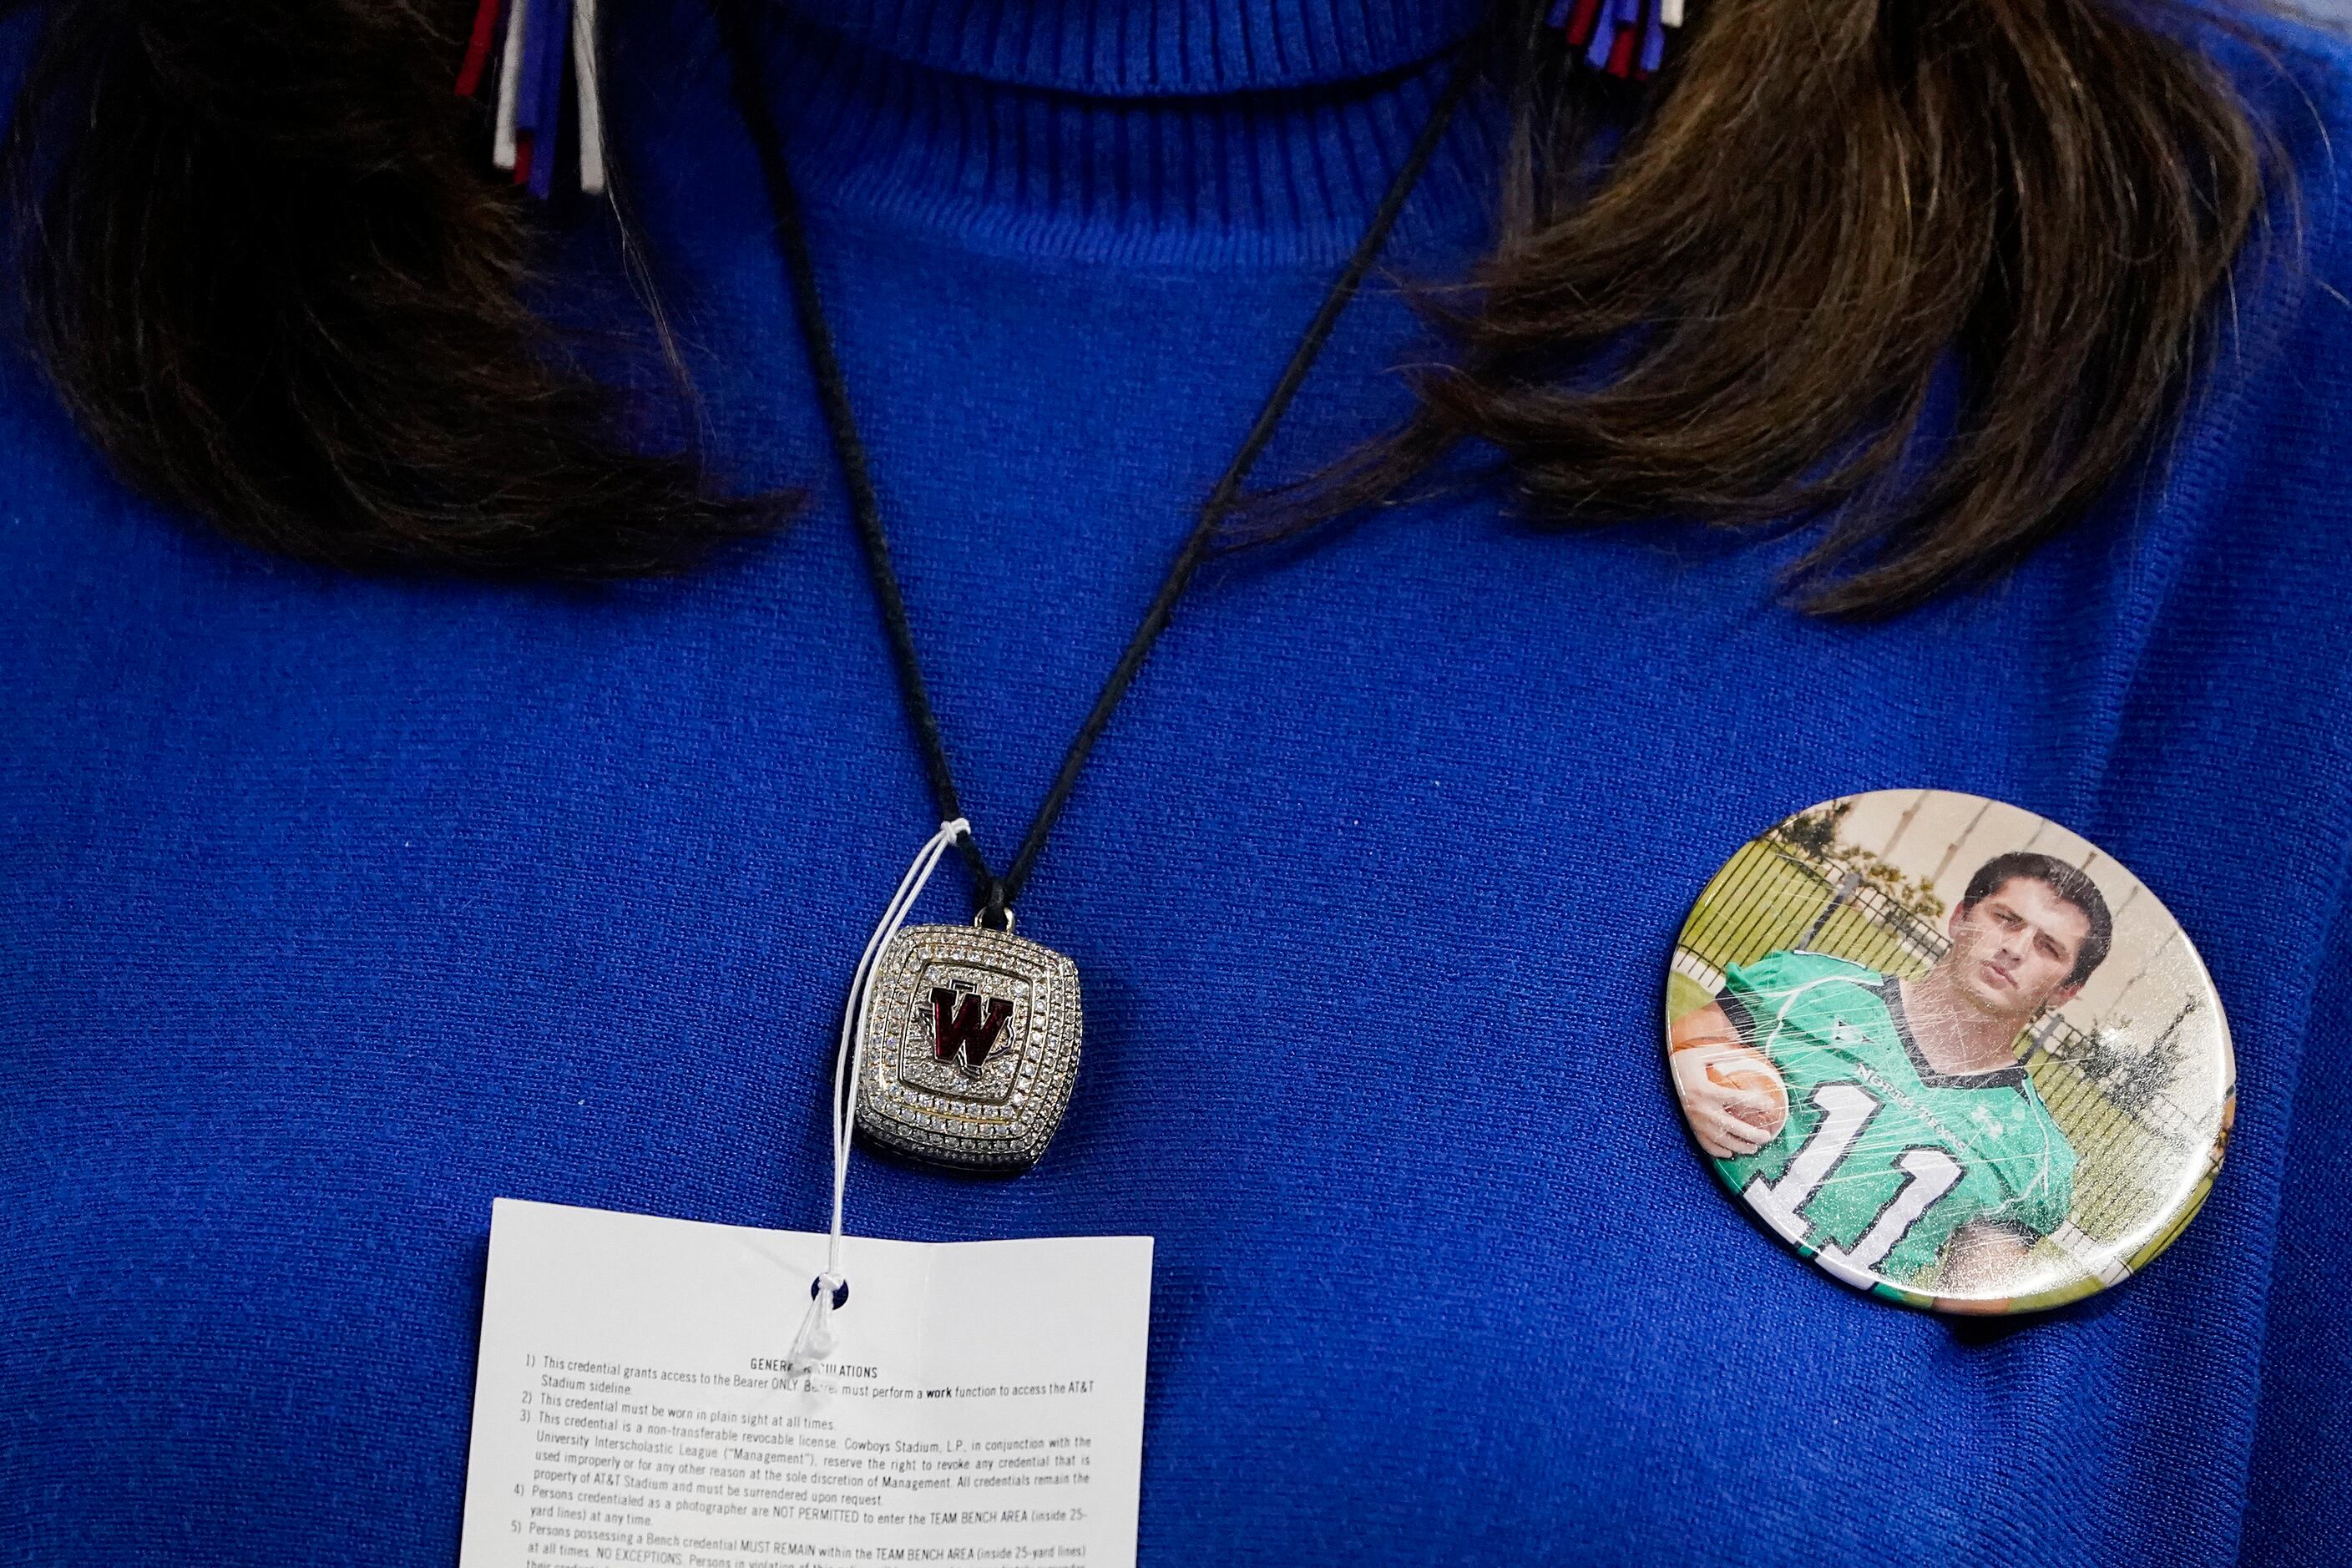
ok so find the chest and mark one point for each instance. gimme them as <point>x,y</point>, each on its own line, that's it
<point>337,909</point>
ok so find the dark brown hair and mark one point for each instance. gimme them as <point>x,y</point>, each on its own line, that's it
<point>1823,208</point>
<point>271,277</point>
<point>268,274</point>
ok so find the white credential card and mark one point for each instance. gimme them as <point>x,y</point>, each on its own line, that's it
<point>984,1404</point>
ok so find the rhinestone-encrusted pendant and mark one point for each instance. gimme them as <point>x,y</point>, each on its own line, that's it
<point>970,1048</point>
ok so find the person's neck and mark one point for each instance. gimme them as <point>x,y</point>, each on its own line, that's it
<point>1955,1036</point>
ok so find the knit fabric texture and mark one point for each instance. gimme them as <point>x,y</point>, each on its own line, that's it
<point>331,909</point>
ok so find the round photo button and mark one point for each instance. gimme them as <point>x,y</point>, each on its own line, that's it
<point>1950,1052</point>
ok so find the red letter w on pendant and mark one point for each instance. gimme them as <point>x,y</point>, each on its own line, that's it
<point>958,1032</point>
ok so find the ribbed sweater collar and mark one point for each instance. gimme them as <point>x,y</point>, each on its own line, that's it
<point>1123,49</point>
<point>1196,132</point>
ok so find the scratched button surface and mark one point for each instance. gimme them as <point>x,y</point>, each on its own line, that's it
<point>1949,1050</point>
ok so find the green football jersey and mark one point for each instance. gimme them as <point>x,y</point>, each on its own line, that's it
<point>1882,1157</point>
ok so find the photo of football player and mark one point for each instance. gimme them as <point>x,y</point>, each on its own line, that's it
<point>1886,1124</point>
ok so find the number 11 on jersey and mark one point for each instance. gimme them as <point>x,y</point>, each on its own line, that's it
<point>1846,1110</point>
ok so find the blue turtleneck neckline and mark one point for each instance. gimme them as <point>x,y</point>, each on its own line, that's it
<point>1150,48</point>
<point>1171,131</point>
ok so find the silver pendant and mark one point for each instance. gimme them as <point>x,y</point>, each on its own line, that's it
<point>970,1048</point>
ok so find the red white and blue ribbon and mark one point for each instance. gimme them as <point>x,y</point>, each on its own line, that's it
<point>1626,38</point>
<point>530,43</point>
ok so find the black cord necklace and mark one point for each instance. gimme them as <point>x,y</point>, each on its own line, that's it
<point>966,1038</point>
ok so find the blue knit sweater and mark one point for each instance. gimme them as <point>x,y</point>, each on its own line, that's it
<point>331,909</point>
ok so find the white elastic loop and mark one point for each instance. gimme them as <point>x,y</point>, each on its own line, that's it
<point>586,82</point>
<point>1670,13</point>
<point>502,139</point>
<point>813,1344</point>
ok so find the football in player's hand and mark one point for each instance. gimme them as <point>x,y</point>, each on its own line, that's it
<point>1765,1103</point>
